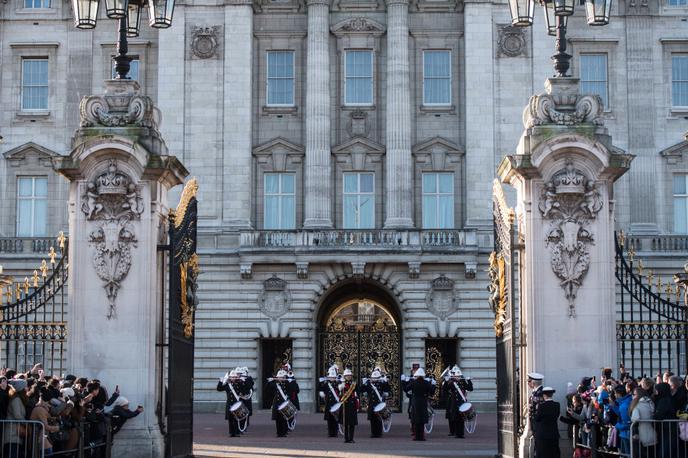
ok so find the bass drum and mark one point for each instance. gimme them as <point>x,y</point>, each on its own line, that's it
<point>239,411</point>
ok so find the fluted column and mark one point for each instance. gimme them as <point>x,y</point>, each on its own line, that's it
<point>318,190</point>
<point>399,175</point>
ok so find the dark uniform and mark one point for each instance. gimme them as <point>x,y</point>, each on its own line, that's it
<point>290,389</point>
<point>545,430</point>
<point>348,414</point>
<point>373,399</point>
<point>330,400</point>
<point>245,386</point>
<point>454,403</point>
<point>535,400</point>
<point>231,399</point>
<point>420,390</point>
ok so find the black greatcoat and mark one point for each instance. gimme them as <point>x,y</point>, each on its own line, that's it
<point>545,430</point>
<point>330,400</point>
<point>420,390</point>
<point>454,399</point>
<point>245,387</point>
<point>373,399</point>
<point>349,410</point>
<point>230,397</point>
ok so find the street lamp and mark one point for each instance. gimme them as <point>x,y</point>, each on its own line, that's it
<point>128,12</point>
<point>556,16</point>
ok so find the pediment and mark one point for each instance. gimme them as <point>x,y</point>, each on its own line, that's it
<point>359,25</point>
<point>676,153</point>
<point>439,150</point>
<point>30,151</point>
<point>361,152</point>
<point>277,152</point>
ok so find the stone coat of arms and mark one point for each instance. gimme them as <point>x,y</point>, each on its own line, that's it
<point>441,299</point>
<point>275,300</point>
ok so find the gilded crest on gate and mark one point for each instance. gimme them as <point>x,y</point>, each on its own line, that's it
<point>189,284</point>
<point>441,299</point>
<point>275,300</point>
<point>498,292</point>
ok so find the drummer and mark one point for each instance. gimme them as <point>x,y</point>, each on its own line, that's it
<point>246,390</point>
<point>282,389</point>
<point>229,384</point>
<point>378,390</point>
<point>455,387</point>
<point>329,393</point>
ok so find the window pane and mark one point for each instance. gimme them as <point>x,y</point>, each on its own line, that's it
<point>446,212</point>
<point>679,80</point>
<point>429,182</point>
<point>429,211</point>
<point>271,183</point>
<point>288,183</point>
<point>41,187</point>
<point>358,73</point>
<point>40,215</point>
<point>350,212</point>
<point>367,182</point>
<point>288,213</point>
<point>350,182</point>
<point>367,212</point>
<point>446,182</point>
<point>271,212</point>
<point>24,221</point>
<point>680,184</point>
<point>25,187</point>
<point>593,75</point>
<point>681,215</point>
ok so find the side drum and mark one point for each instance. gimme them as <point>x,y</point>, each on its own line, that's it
<point>287,409</point>
<point>382,411</point>
<point>239,411</point>
<point>467,411</point>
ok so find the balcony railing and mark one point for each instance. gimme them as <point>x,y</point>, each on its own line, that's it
<point>659,243</point>
<point>341,238</point>
<point>26,245</point>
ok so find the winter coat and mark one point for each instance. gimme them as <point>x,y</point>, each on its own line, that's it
<point>420,390</point>
<point>545,421</point>
<point>290,389</point>
<point>623,424</point>
<point>643,414</point>
<point>245,387</point>
<point>664,410</point>
<point>348,414</point>
<point>373,399</point>
<point>454,399</point>
<point>231,399</point>
<point>15,411</point>
<point>326,394</point>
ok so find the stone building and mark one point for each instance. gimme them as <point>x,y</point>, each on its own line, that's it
<point>345,152</point>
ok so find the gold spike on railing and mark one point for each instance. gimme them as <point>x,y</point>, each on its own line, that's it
<point>17,290</point>
<point>622,238</point>
<point>44,269</point>
<point>52,255</point>
<point>61,240</point>
<point>26,285</point>
<point>631,253</point>
<point>35,279</point>
<point>640,267</point>
<point>650,276</point>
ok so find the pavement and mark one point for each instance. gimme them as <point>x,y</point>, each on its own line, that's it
<point>309,439</point>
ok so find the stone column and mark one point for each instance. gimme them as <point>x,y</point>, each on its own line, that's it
<point>564,172</point>
<point>119,174</point>
<point>399,162</point>
<point>237,141</point>
<point>318,169</point>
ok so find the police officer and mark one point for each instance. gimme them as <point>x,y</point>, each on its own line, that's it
<point>329,393</point>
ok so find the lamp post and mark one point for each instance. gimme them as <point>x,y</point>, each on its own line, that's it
<point>128,12</point>
<point>556,15</point>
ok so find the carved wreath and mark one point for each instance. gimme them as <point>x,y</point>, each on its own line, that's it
<point>204,42</point>
<point>570,201</point>
<point>498,292</point>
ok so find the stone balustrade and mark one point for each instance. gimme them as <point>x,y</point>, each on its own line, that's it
<point>363,239</point>
<point>21,245</point>
<point>658,243</point>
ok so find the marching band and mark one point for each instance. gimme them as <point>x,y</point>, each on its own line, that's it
<point>340,397</point>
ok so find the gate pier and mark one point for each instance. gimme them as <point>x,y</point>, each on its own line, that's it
<point>119,172</point>
<point>564,172</point>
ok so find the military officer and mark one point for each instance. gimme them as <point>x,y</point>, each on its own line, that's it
<point>350,405</point>
<point>329,393</point>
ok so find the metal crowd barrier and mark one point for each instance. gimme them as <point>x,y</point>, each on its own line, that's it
<point>25,439</point>
<point>649,439</point>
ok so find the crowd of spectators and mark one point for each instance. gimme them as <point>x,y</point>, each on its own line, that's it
<point>68,407</point>
<point>618,415</point>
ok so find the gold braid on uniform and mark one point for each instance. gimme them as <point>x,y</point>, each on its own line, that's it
<point>348,393</point>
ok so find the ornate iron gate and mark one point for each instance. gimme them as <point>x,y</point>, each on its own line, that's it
<point>362,350</point>
<point>503,305</point>
<point>652,329</point>
<point>33,326</point>
<point>183,273</point>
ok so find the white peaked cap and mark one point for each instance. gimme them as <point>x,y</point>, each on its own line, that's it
<point>456,370</point>
<point>286,366</point>
<point>281,373</point>
<point>332,372</point>
<point>376,374</point>
<point>67,392</point>
<point>348,372</point>
<point>535,376</point>
<point>233,373</point>
<point>120,402</point>
<point>244,370</point>
<point>419,373</point>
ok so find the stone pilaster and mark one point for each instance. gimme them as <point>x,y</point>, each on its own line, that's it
<point>399,171</point>
<point>318,192</point>
<point>238,143</point>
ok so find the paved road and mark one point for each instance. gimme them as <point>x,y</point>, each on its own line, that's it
<point>309,439</point>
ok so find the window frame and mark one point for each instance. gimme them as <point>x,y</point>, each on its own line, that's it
<point>23,85</point>
<point>345,102</point>
<point>437,194</point>
<point>450,78</point>
<point>668,4</point>
<point>674,198</point>
<point>606,103</point>
<point>672,55</point>
<point>358,195</point>
<point>267,78</point>
<point>33,198</point>
<point>280,196</point>
<point>44,8</point>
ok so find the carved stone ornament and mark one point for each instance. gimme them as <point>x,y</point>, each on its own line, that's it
<point>246,270</point>
<point>570,201</point>
<point>302,270</point>
<point>112,200</point>
<point>414,269</point>
<point>441,299</point>
<point>119,109</point>
<point>275,300</point>
<point>563,105</point>
<point>498,291</point>
<point>189,286</point>
<point>358,24</point>
<point>511,41</point>
<point>204,41</point>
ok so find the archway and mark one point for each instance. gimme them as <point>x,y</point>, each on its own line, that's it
<point>359,328</point>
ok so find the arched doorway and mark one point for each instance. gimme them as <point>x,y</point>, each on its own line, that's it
<point>361,330</point>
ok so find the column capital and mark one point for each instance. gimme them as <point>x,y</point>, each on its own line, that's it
<point>318,2</point>
<point>397,2</point>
